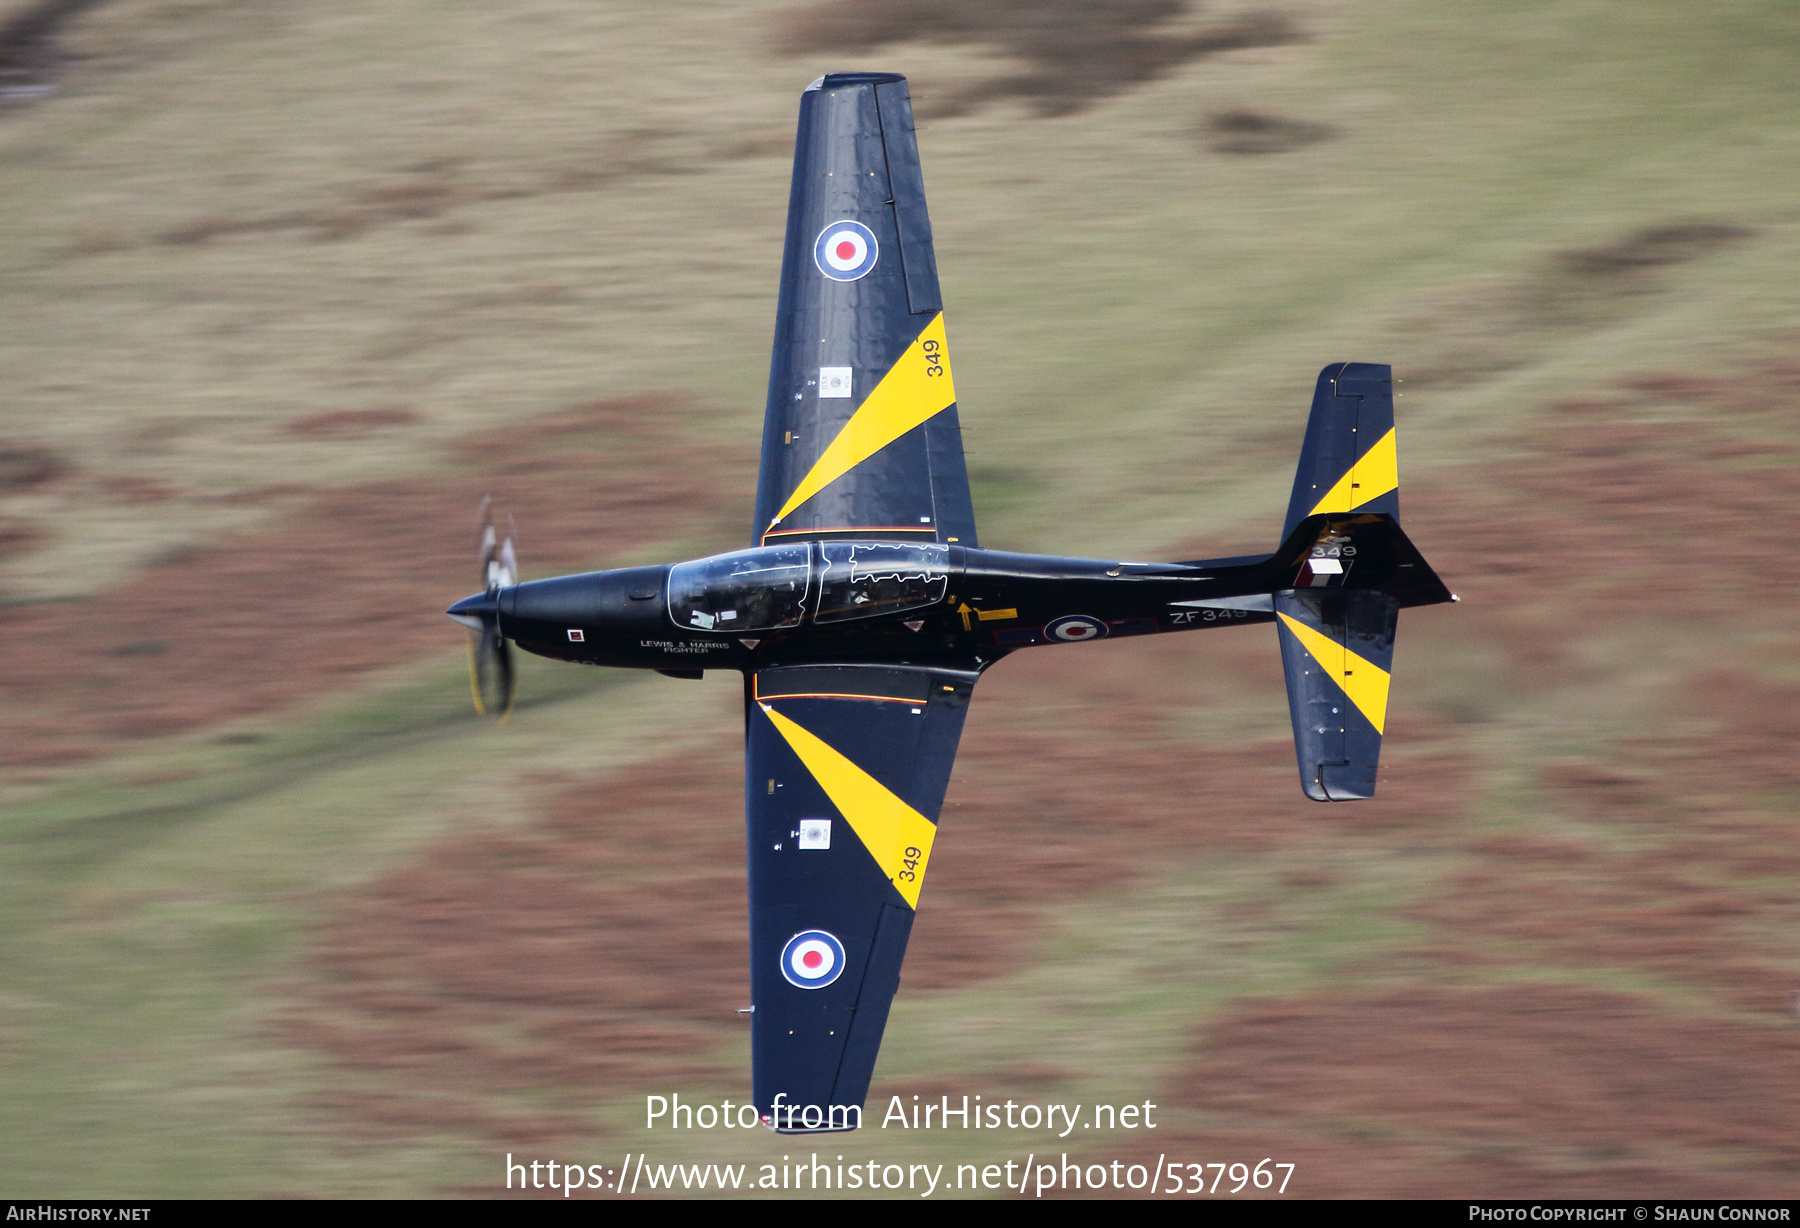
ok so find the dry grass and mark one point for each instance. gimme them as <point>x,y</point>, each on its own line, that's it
<point>1075,52</point>
<point>1499,324</point>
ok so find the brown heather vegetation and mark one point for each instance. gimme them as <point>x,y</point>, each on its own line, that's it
<point>237,629</point>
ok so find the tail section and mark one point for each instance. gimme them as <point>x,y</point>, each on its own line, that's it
<point>1353,570</point>
<point>1337,649</point>
<point>1348,462</point>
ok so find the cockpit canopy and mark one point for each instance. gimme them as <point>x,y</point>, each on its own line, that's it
<point>863,579</point>
<point>778,586</point>
<point>746,590</point>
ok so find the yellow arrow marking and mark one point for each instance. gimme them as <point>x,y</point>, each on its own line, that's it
<point>916,388</point>
<point>1364,682</point>
<point>1372,475</point>
<point>987,615</point>
<point>896,835</point>
<point>961,609</point>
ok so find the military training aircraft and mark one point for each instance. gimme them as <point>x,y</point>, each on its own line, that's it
<point>865,611</point>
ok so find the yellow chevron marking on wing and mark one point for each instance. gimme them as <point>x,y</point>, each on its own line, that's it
<point>1364,682</point>
<point>896,835</point>
<point>1374,473</point>
<point>916,388</point>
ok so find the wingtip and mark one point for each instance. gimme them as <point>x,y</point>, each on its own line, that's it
<point>834,79</point>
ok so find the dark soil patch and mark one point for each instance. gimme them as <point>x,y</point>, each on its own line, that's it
<point>17,537</point>
<point>1617,509</point>
<point>352,423</point>
<point>1607,496</point>
<point>426,191</point>
<point>1529,1090</point>
<point>600,949</point>
<point>1675,243</point>
<point>357,579</point>
<point>1076,52</point>
<point>23,467</point>
<point>1253,132</point>
<point>1704,892</point>
<point>30,60</point>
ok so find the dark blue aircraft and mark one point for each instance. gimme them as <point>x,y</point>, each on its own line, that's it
<point>865,610</point>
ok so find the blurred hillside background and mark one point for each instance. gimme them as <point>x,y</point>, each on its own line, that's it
<point>288,289</point>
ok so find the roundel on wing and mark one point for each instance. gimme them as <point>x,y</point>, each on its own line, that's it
<point>845,251</point>
<point>1073,627</point>
<point>812,959</point>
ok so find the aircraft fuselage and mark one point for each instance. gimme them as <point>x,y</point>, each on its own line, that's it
<point>925,604</point>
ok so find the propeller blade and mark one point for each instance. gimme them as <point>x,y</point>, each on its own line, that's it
<point>509,563</point>
<point>491,673</point>
<point>504,676</point>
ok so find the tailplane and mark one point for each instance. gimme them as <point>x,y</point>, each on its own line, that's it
<point>1353,571</point>
<point>1348,462</point>
<point>1337,649</point>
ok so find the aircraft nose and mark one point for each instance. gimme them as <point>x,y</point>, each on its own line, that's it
<point>469,610</point>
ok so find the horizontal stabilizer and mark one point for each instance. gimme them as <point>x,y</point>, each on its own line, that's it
<point>1337,649</point>
<point>1348,462</point>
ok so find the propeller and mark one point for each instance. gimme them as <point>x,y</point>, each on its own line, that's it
<point>490,656</point>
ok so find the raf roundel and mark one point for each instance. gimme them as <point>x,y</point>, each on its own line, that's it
<point>1073,627</point>
<point>845,251</point>
<point>812,959</point>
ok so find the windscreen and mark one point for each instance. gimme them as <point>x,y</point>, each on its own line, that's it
<point>864,579</point>
<point>746,590</point>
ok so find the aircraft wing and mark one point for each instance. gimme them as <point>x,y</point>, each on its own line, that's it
<point>861,437</point>
<point>845,768</point>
